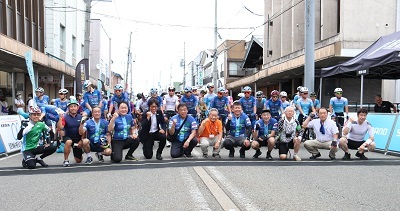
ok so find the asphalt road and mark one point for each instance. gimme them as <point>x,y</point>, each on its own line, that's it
<point>204,184</point>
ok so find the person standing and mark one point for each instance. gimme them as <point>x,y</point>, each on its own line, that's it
<point>19,103</point>
<point>4,106</point>
<point>383,106</point>
<point>338,105</point>
<point>118,97</point>
<point>248,104</point>
<point>274,104</point>
<point>62,102</point>
<point>92,98</point>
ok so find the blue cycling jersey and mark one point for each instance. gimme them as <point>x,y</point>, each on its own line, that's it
<point>92,98</point>
<point>186,129</point>
<point>104,107</point>
<point>51,113</point>
<point>191,103</point>
<point>248,104</point>
<point>305,105</point>
<point>44,101</point>
<point>208,98</point>
<point>95,130</point>
<point>220,103</point>
<point>115,100</point>
<point>285,104</point>
<point>237,127</point>
<point>266,129</point>
<point>274,107</point>
<point>61,104</point>
<point>316,103</point>
<point>122,126</point>
<point>338,104</point>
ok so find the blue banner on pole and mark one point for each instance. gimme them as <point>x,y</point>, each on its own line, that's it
<point>395,140</point>
<point>382,124</point>
<point>29,65</point>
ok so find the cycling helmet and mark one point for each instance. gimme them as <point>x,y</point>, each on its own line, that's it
<point>210,85</point>
<point>171,88</point>
<point>299,88</point>
<point>118,87</point>
<point>303,89</point>
<point>153,91</point>
<point>338,90</point>
<point>259,93</point>
<point>188,89</point>
<point>221,89</point>
<point>39,89</point>
<point>313,94</point>
<point>203,92</point>
<point>63,91</point>
<point>72,100</point>
<point>145,96</point>
<point>194,88</point>
<point>247,89</point>
<point>35,110</point>
<point>87,83</point>
<point>241,95</point>
<point>275,92</point>
<point>283,94</point>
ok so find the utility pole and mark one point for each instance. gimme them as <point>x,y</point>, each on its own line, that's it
<point>183,64</point>
<point>309,66</point>
<point>87,35</point>
<point>215,69</point>
<point>128,63</point>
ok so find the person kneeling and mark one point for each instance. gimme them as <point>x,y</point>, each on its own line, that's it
<point>264,134</point>
<point>210,133</point>
<point>354,133</point>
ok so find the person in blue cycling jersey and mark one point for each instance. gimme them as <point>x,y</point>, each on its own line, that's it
<point>41,99</point>
<point>274,104</point>
<point>285,102</point>
<point>304,105</point>
<point>338,105</point>
<point>316,103</point>
<point>118,97</point>
<point>248,103</point>
<point>190,101</point>
<point>183,128</point>
<point>264,134</point>
<point>125,134</point>
<point>238,127</point>
<point>154,95</point>
<point>296,97</point>
<point>92,98</point>
<point>96,135</point>
<point>260,103</point>
<point>221,103</point>
<point>62,101</point>
<point>33,140</point>
<point>209,96</point>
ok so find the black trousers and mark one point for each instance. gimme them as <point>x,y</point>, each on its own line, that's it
<point>30,155</point>
<point>177,149</point>
<point>148,143</point>
<point>118,146</point>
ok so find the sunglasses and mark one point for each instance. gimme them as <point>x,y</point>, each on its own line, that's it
<point>305,93</point>
<point>247,92</point>
<point>117,90</point>
<point>339,93</point>
<point>220,93</point>
<point>211,87</point>
<point>258,97</point>
<point>274,96</point>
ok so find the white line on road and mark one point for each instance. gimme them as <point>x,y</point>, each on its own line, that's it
<point>10,156</point>
<point>200,202</point>
<point>223,199</point>
<point>235,192</point>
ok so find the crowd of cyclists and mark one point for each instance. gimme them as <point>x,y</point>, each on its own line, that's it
<point>93,122</point>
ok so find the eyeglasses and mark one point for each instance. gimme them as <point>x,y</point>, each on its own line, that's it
<point>322,129</point>
<point>339,93</point>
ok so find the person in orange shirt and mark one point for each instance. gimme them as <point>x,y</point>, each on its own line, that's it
<point>210,134</point>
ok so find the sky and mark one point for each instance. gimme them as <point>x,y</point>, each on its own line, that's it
<point>161,27</point>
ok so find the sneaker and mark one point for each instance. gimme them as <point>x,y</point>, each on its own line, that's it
<point>89,160</point>
<point>269,157</point>
<point>242,153</point>
<point>158,156</point>
<point>24,165</point>
<point>258,153</point>
<point>66,163</point>
<point>189,155</point>
<point>205,155</point>
<point>361,156</point>
<point>198,145</point>
<point>232,153</point>
<point>313,157</point>
<point>100,157</point>
<point>346,156</point>
<point>296,158</point>
<point>216,155</point>
<point>332,157</point>
<point>42,163</point>
<point>131,158</point>
<point>168,144</point>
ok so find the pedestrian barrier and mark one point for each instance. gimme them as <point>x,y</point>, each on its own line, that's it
<point>394,144</point>
<point>383,126</point>
<point>9,128</point>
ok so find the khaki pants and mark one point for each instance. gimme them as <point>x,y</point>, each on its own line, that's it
<point>312,147</point>
<point>206,142</point>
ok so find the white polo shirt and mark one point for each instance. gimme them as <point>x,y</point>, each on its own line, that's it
<point>330,129</point>
<point>357,132</point>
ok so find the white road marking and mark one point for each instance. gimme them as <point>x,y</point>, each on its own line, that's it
<point>200,202</point>
<point>10,156</point>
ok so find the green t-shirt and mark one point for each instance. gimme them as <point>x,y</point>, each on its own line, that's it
<point>31,139</point>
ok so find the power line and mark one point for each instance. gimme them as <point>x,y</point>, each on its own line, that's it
<point>252,11</point>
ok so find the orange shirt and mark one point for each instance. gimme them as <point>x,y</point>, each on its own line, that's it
<point>212,128</point>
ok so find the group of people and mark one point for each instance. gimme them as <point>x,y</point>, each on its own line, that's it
<point>93,123</point>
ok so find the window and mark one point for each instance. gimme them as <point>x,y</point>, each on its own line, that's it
<point>62,37</point>
<point>19,5</point>
<point>73,46</point>
<point>82,51</point>
<point>235,70</point>
<point>28,10</point>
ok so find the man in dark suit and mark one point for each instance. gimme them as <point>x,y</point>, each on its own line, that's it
<point>153,128</point>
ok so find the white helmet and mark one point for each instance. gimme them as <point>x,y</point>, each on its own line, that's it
<point>63,91</point>
<point>246,89</point>
<point>210,85</point>
<point>303,89</point>
<point>87,83</point>
<point>283,94</point>
<point>39,89</point>
<point>338,90</point>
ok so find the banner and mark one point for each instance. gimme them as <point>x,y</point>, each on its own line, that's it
<point>81,74</point>
<point>382,124</point>
<point>9,128</point>
<point>2,150</point>
<point>395,140</point>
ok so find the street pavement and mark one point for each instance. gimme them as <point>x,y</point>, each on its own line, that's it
<point>204,184</point>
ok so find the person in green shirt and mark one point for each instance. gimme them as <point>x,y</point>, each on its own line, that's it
<point>33,140</point>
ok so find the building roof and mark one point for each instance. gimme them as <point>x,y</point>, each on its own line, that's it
<point>254,53</point>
